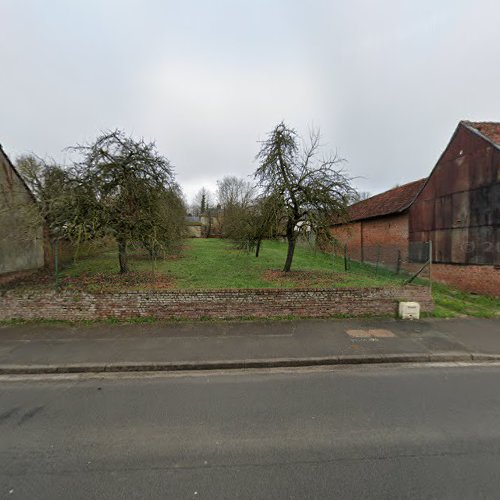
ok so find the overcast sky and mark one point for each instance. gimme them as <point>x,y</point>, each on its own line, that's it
<point>386,81</point>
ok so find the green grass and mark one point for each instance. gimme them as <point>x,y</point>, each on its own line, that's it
<point>451,303</point>
<point>216,264</point>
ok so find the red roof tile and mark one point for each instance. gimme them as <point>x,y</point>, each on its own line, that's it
<point>393,201</point>
<point>491,130</point>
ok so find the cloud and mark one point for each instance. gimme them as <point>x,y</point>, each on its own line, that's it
<point>211,116</point>
<point>386,81</point>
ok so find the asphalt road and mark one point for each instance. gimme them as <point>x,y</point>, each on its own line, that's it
<point>350,432</point>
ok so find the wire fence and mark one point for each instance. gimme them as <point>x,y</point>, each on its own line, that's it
<point>412,262</point>
<point>406,264</point>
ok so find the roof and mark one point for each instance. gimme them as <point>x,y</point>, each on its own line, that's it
<point>488,130</point>
<point>394,201</point>
<point>400,198</point>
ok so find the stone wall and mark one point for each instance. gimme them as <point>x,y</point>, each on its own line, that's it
<point>197,304</point>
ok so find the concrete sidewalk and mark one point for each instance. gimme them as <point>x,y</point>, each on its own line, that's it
<point>206,345</point>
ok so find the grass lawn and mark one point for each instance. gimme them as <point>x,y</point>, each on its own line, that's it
<point>216,263</point>
<point>452,303</point>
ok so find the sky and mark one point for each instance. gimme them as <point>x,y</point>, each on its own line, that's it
<point>385,81</point>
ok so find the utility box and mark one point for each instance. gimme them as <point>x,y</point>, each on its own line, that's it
<point>409,310</point>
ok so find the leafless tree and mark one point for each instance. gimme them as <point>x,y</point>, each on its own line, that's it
<point>309,189</point>
<point>233,190</point>
<point>360,196</point>
<point>52,187</point>
<point>202,202</point>
<point>127,189</point>
<point>235,196</point>
<point>248,225</point>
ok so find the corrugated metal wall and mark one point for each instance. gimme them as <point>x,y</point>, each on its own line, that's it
<point>459,208</point>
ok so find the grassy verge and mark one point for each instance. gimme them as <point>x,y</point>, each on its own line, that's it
<point>451,303</point>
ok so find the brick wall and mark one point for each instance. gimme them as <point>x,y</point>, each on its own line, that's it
<point>196,304</point>
<point>350,235</point>
<point>383,237</point>
<point>477,279</point>
<point>375,239</point>
<point>390,234</point>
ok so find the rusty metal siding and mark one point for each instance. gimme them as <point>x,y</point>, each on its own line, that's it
<point>495,211</point>
<point>459,208</point>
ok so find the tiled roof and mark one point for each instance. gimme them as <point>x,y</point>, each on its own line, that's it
<point>490,130</point>
<point>393,201</point>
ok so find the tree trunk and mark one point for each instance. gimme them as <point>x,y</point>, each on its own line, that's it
<point>257,249</point>
<point>209,230</point>
<point>122,255</point>
<point>289,256</point>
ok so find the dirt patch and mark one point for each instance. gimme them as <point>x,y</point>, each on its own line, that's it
<point>39,278</point>
<point>303,279</point>
<point>114,282</point>
<point>94,282</point>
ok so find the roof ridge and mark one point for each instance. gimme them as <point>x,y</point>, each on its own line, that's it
<point>481,121</point>
<point>492,135</point>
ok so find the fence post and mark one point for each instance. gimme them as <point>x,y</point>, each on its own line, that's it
<point>398,263</point>
<point>378,259</point>
<point>56,262</point>
<point>345,258</point>
<point>430,265</point>
<point>153,271</point>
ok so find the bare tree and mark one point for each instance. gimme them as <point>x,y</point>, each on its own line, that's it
<point>360,196</point>
<point>234,197</point>
<point>53,188</point>
<point>125,187</point>
<point>308,189</point>
<point>164,228</point>
<point>233,190</point>
<point>202,202</point>
<point>248,225</point>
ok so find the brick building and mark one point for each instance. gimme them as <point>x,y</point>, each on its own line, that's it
<point>457,208</point>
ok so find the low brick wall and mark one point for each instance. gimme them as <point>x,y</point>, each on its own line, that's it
<point>468,278</point>
<point>196,304</point>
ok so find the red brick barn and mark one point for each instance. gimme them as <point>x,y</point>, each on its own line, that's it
<point>457,208</point>
<point>379,226</point>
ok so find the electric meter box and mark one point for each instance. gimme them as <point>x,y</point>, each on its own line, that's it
<point>409,310</point>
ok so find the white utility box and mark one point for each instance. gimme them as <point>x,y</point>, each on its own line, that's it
<point>409,310</point>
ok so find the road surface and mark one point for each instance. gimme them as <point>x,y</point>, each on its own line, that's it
<point>349,432</point>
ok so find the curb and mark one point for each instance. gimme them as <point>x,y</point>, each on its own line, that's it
<point>244,364</point>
